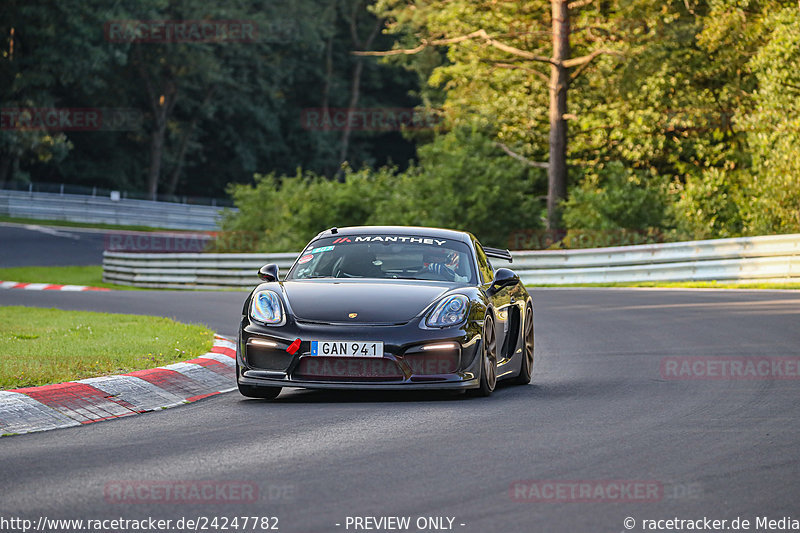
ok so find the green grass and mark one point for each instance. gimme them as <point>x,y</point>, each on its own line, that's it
<point>41,346</point>
<point>65,223</point>
<point>75,275</point>
<point>683,285</point>
<point>62,275</point>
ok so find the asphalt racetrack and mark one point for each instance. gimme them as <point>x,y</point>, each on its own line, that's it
<point>36,245</point>
<point>599,412</point>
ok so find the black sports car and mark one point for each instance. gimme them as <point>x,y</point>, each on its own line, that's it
<point>387,307</point>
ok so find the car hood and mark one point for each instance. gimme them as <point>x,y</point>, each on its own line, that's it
<point>384,302</point>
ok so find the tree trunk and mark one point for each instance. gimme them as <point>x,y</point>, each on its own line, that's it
<point>161,103</point>
<point>6,164</point>
<point>355,91</point>
<point>329,169</point>
<point>172,185</point>
<point>355,86</point>
<point>156,152</point>
<point>326,88</point>
<point>559,83</point>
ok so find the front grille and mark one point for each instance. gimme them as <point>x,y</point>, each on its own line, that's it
<point>348,368</point>
<point>433,362</point>
<point>265,358</point>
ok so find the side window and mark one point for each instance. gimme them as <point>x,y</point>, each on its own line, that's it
<point>487,273</point>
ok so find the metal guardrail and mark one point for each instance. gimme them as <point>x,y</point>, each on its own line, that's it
<point>84,190</point>
<point>104,210</point>
<point>189,271</point>
<point>770,258</point>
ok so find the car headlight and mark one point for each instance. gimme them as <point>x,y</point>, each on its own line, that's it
<point>266,308</point>
<point>450,311</point>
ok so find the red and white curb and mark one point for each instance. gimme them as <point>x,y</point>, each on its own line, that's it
<point>91,400</point>
<point>47,286</point>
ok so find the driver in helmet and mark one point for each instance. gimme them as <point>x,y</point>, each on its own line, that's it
<point>446,266</point>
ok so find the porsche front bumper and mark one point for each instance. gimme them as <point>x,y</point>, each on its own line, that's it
<point>407,362</point>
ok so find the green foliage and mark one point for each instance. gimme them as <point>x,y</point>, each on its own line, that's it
<point>511,101</point>
<point>711,205</point>
<point>279,214</point>
<point>773,129</point>
<point>666,106</point>
<point>38,48</point>
<point>90,275</point>
<point>756,190</point>
<point>688,125</point>
<point>234,107</point>
<point>463,182</point>
<point>613,197</point>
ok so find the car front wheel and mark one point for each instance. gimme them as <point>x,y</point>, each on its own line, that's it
<point>526,368</point>
<point>488,360</point>
<point>263,393</point>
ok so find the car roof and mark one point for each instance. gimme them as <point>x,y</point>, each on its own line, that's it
<point>399,230</point>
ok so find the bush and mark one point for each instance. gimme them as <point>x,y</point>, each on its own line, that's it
<point>281,214</point>
<point>463,181</point>
<point>709,205</point>
<point>773,130</point>
<point>612,197</point>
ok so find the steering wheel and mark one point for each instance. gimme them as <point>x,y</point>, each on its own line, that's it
<point>444,274</point>
<point>336,269</point>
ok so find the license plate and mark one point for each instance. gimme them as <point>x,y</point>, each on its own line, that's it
<point>347,348</point>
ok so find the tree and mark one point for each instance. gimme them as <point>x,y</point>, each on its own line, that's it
<point>352,14</point>
<point>509,49</point>
<point>462,181</point>
<point>461,168</point>
<point>212,112</point>
<point>38,69</point>
<point>192,77</point>
<point>773,127</point>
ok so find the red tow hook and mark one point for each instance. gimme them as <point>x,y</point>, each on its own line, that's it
<point>292,349</point>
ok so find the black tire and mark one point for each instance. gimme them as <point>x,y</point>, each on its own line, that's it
<point>488,379</point>
<point>264,393</point>
<point>526,368</point>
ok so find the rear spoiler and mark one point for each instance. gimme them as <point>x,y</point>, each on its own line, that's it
<point>499,253</point>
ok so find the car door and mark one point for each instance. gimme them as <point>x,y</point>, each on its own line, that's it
<point>502,301</point>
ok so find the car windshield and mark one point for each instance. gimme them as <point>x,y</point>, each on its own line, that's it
<point>386,257</point>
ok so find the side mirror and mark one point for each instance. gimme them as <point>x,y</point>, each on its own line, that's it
<point>504,277</point>
<point>268,272</point>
